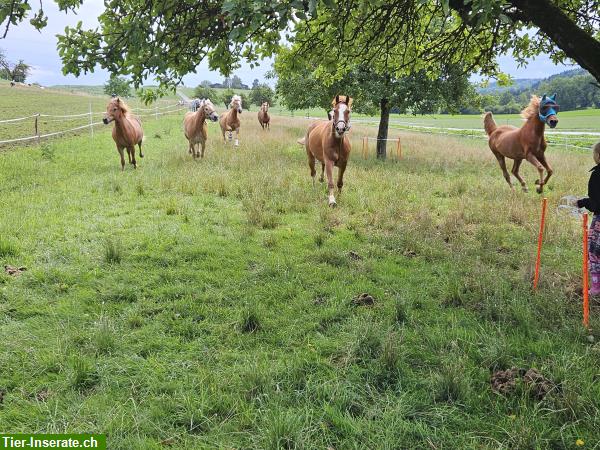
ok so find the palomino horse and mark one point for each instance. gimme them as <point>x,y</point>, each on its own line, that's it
<point>194,126</point>
<point>527,142</point>
<point>263,116</point>
<point>127,132</point>
<point>230,121</point>
<point>328,142</point>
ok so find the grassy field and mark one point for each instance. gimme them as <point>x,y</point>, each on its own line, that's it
<point>209,304</point>
<point>22,101</point>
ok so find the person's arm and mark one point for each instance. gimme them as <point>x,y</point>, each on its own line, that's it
<point>592,202</point>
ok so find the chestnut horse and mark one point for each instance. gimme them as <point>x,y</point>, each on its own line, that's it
<point>127,132</point>
<point>527,142</point>
<point>263,116</point>
<point>194,126</point>
<point>230,121</point>
<point>328,142</point>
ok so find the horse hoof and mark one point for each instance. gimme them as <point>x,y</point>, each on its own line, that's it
<point>525,189</point>
<point>332,204</point>
<point>537,182</point>
<point>539,189</point>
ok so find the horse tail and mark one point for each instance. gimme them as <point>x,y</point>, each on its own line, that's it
<point>489,123</point>
<point>301,141</point>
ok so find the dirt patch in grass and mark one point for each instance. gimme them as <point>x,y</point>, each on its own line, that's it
<point>505,382</point>
<point>363,299</point>
<point>14,271</point>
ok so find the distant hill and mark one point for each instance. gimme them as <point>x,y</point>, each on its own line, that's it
<point>518,84</point>
<point>521,84</point>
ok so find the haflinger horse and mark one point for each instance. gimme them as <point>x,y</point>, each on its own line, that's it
<point>127,132</point>
<point>263,116</point>
<point>230,121</point>
<point>194,126</point>
<point>527,142</point>
<point>328,142</point>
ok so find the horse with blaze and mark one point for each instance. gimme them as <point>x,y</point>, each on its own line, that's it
<point>328,142</point>
<point>527,142</point>
<point>195,129</point>
<point>127,132</point>
<point>230,121</point>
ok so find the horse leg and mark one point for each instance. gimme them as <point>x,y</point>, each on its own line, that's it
<point>237,137</point>
<point>502,163</point>
<point>129,155</point>
<point>547,166</point>
<point>120,149</point>
<point>340,181</point>
<point>203,144</point>
<point>515,172</point>
<point>190,148</point>
<point>330,186</point>
<point>534,161</point>
<point>322,173</point>
<point>131,151</point>
<point>140,147</point>
<point>311,164</point>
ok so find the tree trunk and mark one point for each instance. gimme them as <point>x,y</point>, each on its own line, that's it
<point>382,133</point>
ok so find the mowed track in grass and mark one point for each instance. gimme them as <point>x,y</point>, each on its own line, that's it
<point>208,304</point>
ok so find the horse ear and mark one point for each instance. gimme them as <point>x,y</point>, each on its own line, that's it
<point>337,99</point>
<point>553,97</point>
<point>349,100</point>
<point>543,97</point>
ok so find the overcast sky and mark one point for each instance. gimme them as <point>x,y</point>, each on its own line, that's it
<point>39,50</point>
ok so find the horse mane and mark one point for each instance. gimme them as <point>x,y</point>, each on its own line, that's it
<point>236,97</point>
<point>532,109</point>
<point>124,107</point>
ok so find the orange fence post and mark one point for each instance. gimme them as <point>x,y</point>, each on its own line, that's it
<point>586,300</point>
<point>399,150</point>
<point>365,148</point>
<point>538,258</point>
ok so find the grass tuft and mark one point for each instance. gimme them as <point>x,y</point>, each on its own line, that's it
<point>249,321</point>
<point>113,251</point>
<point>8,248</point>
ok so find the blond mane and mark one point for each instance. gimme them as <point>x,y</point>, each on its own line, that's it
<point>532,109</point>
<point>124,107</point>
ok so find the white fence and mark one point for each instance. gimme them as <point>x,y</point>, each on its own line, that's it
<point>568,139</point>
<point>90,122</point>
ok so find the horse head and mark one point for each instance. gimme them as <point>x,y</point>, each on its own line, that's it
<point>341,114</point>
<point>265,106</point>
<point>209,110</point>
<point>548,110</point>
<point>114,110</point>
<point>236,102</point>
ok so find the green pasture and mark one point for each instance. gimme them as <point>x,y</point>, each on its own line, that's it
<point>212,303</point>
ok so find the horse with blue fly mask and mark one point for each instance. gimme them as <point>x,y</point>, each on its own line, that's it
<point>527,142</point>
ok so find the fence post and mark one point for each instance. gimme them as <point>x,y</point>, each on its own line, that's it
<point>37,130</point>
<point>586,304</point>
<point>365,148</point>
<point>399,150</point>
<point>91,122</point>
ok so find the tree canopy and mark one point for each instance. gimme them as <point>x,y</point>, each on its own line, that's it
<point>262,93</point>
<point>167,39</point>
<point>205,92</point>
<point>118,86</point>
